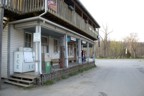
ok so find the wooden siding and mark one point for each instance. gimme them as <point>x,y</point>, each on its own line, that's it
<point>24,6</point>
<point>16,41</point>
<point>4,52</point>
<point>63,11</point>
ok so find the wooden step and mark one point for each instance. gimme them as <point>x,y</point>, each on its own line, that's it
<point>22,76</point>
<point>20,80</point>
<point>23,80</point>
<point>18,84</point>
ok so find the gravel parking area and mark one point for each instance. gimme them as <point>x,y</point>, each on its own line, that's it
<point>111,77</point>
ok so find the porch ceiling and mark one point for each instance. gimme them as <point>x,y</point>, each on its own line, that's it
<point>45,32</point>
<point>85,45</point>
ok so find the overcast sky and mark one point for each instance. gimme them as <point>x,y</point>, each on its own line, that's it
<point>121,16</point>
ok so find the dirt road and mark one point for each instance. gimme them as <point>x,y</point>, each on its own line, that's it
<point>110,78</point>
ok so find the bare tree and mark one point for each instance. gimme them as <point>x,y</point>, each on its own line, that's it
<point>131,43</point>
<point>105,39</point>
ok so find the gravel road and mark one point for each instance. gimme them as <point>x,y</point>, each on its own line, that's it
<point>119,77</point>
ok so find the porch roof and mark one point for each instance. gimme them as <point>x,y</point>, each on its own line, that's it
<point>48,27</point>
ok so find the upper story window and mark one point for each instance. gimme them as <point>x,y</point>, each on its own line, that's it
<point>45,44</point>
<point>28,40</point>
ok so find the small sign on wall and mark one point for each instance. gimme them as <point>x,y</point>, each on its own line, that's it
<point>73,39</point>
<point>84,42</point>
<point>36,37</point>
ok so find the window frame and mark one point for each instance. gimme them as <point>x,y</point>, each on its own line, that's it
<point>28,42</point>
<point>56,46</point>
<point>45,44</point>
<point>70,49</point>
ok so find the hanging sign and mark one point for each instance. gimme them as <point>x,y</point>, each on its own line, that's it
<point>84,42</point>
<point>52,5</point>
<point>36,37</point>
<point>73,39</point>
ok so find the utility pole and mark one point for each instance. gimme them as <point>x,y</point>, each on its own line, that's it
<point>1,30</point>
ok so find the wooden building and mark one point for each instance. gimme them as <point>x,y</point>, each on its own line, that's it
<point>55,31</point>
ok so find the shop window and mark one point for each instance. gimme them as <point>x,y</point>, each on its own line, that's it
<point>28,40</point>
<point>70,50</point>
<point>45,44</point>
<point>56,46</point>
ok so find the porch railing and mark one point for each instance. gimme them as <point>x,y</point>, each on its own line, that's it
<point>24,6</point>
<point>57,7</point>
<point>69,15</point>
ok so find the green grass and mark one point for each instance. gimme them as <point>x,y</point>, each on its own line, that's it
<point>49,82</point>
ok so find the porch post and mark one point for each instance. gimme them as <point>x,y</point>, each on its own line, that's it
<point>88,52</point>
<point>1,30</point>
<point>40,53</point>
<point>62,58</point>
<point>66,52</point>
<point>79,52</point>
<point>38,59</point>
<point>94,54</point>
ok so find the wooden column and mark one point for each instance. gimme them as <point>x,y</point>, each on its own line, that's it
<point>79,52</point>
<point>66,52</point>
<point>1,30</point>
<point>62,55</point>
<point>94,57</point>
<point>88,52</point>
<point>38,57</point>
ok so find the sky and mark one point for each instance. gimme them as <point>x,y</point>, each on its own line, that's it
<point>121,16</point>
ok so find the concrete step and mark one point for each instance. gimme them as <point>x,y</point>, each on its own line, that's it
<point>18,84</point>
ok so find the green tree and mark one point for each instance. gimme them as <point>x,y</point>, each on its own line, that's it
<point>116,49</point>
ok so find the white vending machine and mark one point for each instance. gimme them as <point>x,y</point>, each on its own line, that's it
<point>24,60</point>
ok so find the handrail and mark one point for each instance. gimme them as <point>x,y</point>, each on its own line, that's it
<point>24,6</point>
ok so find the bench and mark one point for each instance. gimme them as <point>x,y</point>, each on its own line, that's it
<point>53,61</point>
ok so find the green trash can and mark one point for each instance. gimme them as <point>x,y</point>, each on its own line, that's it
<point>48,67</point>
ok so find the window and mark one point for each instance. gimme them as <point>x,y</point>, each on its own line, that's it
<point>70,50</point>
<point>55,45</point>
<point>45,44</point>
<point>28,40</point>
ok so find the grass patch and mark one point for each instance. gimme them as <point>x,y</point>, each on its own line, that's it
<point>74,73</point>
<point>64,77</point>
<point>49,82</point>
